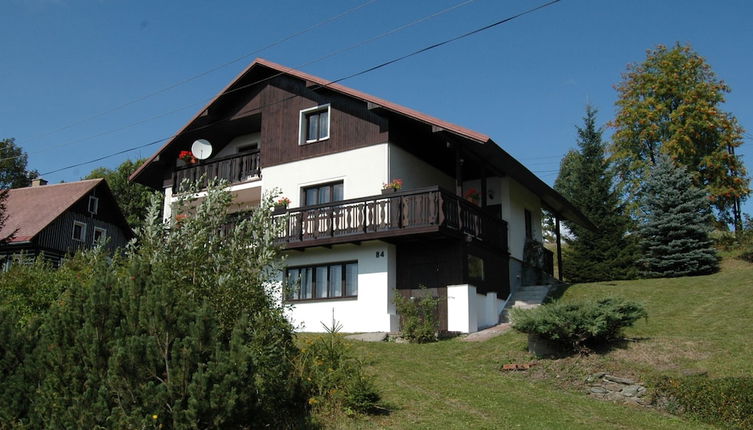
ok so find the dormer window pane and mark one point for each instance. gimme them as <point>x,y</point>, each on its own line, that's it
<point>313,129</point>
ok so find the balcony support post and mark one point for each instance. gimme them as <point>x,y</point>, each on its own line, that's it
<point>559,246</point>
<point>458,173</point>
<point>483,188</point>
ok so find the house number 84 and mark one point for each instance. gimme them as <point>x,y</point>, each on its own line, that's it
<point>379,254</point>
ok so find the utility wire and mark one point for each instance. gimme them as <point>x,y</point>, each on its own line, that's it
<point>370,69</point>
<point>206,72</point>
<point>316,60</point>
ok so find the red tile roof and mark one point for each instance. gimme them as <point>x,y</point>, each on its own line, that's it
<point>32,209</point>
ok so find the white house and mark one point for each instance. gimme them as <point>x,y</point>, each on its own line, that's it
<point>458,225</point>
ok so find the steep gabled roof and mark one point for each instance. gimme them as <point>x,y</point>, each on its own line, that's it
<point>384,104</point>
<point>32,209</point>
<point>552,200</point>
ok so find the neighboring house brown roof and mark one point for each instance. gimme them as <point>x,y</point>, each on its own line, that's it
<point>32,209</point>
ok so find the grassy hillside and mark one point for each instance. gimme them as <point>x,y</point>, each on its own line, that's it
<point>695,324</point>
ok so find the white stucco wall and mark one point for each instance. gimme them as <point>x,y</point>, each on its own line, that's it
<point>414,172</point>
<point>520,198</point>
<point>469,311</point>
<point>372,311</point>
<point>363,171</point>
<point>238,142</point>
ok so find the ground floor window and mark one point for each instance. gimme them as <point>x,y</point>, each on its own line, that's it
<point>322,281</point>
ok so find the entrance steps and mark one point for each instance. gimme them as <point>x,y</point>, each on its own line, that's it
<point>525,298</point>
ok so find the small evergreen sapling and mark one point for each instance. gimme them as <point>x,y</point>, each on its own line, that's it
<point>676,223</point>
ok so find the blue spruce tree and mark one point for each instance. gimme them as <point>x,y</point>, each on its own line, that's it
<point>676,222</point>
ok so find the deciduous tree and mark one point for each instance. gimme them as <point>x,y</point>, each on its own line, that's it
<point>13,160</point>
<point>671,104</point>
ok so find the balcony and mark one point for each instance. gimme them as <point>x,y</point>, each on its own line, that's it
<point>234,169</point>
<point>390,217</point>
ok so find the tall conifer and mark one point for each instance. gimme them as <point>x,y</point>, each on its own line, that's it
<point>676,222</point>
<point>584,179</point>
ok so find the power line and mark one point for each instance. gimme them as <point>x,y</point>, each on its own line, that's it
<point>316,60</point>
<point>154,142</point>
<point>437,45</point>
<point>362,72</point>
<point>206,72</point>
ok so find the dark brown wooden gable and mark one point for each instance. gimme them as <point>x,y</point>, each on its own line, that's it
<point>279,104</point>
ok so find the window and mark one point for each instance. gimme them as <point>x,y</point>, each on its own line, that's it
<point>326,281</point>
<point>529,224</point>
<point>475,267</point>
<point>314,125</point>
<point>249,147</point>
<point>93,204</point>
<point>323,193</point>
<point>100,234</point>
<point>79,231</point>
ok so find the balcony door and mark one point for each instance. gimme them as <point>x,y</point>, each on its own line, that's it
<point>321,222</point>
<point>323,193</point>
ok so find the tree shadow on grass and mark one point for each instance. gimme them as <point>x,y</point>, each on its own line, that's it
<point>605,347</point>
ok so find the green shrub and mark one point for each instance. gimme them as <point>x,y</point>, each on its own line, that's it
<point>576,326</point>
<point>721,401</point>
<point>418,318</point>
<point>29,289</point>
<point>183,331</point>
<point>333,378</point>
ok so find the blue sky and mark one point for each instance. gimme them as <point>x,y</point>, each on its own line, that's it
<point>68,63</point>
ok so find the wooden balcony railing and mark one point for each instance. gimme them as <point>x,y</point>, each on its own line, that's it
<point>234,169</point>
<point>425,210</point>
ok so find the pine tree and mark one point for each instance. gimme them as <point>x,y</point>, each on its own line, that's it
<point>674,231</point>
<point>584,179</point>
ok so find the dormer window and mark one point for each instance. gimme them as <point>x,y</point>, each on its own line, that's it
<point>93,205</point>
<point>314,125</point>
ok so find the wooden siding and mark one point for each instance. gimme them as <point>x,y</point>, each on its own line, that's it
<point>438,263</point>
<point>58,235</point>
<point>440,312</point>
<point>430,263</point>
<point>496,270</point>
<point>280,103</point>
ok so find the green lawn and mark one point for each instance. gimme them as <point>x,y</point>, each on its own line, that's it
<point>695,324</point>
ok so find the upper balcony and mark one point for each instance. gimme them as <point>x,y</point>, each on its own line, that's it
<point>393,216</point>
<point>234,168</point>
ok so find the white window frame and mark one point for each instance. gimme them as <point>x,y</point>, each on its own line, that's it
<point>303,123</point>
<point>83,231</point>
<point>95,200</point>
<point>101,230</point>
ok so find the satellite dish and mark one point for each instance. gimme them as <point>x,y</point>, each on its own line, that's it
<point>201,149</point>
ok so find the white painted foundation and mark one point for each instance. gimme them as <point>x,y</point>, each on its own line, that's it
<point>469,311</point>
<point>372,311</point>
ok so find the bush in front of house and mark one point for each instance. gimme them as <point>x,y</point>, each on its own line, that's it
<point>28,290</point>
<point>579,325</point>
<point>184,330</point>
<point>418,318</point>
<point>726,401</point>
<point>333,378</point>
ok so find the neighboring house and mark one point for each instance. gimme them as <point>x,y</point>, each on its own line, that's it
<point>458,226</point>
<point>56,220</point>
